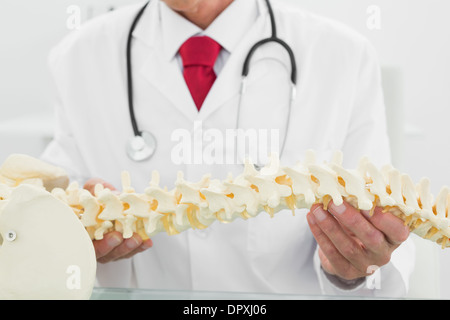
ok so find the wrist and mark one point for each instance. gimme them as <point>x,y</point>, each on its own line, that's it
<point>343,283</point>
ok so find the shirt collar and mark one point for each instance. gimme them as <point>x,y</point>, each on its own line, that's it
<point>226,29</point>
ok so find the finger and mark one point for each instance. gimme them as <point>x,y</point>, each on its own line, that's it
<point>109,242</point>
<point>109,186</point>
<point>326,264</point>
<point>349,273</point>
<point>344,244</point>
<point>393,227</point>
<point>326,245</point>
<point>125,248</point>
<point>91,183</point>
<point>147,244</point>
<point>336,262</point>
<point>350,217</point>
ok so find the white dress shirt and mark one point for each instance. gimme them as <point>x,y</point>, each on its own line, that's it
<point>225,30</point>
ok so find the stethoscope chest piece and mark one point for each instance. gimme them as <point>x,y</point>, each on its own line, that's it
<point>141,147</point>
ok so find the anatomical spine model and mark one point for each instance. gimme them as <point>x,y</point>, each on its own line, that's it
<point>38,207</point>
<point>271,189</point>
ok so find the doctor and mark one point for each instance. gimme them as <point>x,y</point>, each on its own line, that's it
<point>338,105</point>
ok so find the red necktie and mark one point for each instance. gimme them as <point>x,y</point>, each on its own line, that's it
<point>199,55</point>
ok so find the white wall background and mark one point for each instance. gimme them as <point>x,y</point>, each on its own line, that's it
<point>413,42</point>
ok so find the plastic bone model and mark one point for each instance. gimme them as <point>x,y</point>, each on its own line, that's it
<point>271,189</point>
<point>36,201</point>
<point>34,264</point>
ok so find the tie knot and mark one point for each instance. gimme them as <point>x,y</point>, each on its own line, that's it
<point>199,51</point>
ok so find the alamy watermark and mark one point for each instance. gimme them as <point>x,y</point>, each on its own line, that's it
<point>73,281</point>
<point>373,280</point>
<point>373,21</point>
<point>73,21</point>
<point>76,14</point>
<point>230,146</point>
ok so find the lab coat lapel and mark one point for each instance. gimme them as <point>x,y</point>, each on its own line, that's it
<point>167,78</point>
<point>160,72</point>
<point>228,83</point>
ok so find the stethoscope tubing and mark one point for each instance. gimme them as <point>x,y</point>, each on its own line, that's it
<point>245,72</point>
<point>130,72</point>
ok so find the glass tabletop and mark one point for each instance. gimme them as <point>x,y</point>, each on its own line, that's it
<point>141,294</point>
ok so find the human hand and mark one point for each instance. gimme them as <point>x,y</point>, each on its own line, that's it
<point>113,246</point>
<point>350,240</point>
<point>91,183</point>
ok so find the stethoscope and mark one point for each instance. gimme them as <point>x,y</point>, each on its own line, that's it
<point>143,145</point>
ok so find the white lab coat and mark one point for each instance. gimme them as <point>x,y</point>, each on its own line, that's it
<point>339,105</point>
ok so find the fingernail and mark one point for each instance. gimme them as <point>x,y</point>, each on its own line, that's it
<point>133,243</point>
<point>146,244</point>
<point>338,209</point>
<point>319,214</point>
<point>114,241</point>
